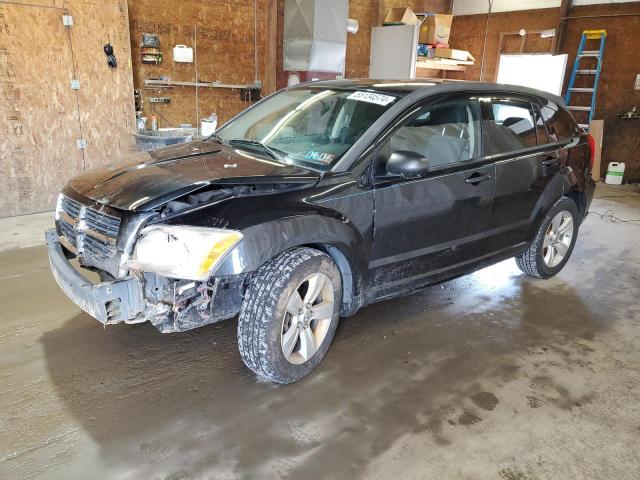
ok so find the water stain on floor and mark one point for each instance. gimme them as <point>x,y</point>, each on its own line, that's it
<point>485,400</point>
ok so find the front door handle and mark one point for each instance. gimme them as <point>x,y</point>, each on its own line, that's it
<point>476,178</point>
<point>550,162</point>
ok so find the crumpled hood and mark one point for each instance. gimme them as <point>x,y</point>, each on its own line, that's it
<point>146,180</point>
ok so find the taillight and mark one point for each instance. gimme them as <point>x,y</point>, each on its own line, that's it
<point>592,150</point>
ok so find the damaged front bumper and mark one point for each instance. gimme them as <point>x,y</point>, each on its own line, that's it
<point>108,302</point>
<point>170,305</point>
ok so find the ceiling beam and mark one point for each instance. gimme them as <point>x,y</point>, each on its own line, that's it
<point>565,7</point>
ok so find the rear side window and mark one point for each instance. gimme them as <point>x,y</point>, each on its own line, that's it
<point>560,121</point>
<point>512,127</point>
<point>445,133</point>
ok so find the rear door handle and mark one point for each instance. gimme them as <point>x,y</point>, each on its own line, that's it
<point>476,178</point>
<point>550,162</point>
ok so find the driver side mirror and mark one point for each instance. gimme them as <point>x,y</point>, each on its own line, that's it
<point>407,164</point>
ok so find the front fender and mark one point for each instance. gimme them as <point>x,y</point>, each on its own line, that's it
<point>338,238</point>
<point>266,240</point>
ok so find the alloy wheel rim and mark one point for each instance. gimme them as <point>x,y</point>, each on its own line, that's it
<point>557,239</point>
<point>307,319</point>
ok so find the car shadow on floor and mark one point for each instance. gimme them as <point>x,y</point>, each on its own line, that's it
<point>404,365</point>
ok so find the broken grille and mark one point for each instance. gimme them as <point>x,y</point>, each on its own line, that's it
<point>89,231</point>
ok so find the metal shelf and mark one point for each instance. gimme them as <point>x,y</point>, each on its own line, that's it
<point>148,83</point>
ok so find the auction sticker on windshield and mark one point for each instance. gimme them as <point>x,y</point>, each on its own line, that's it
<point>319,156</point>
<point>371,97</point>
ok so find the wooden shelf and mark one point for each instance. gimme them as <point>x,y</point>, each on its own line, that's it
<point>441,64</point>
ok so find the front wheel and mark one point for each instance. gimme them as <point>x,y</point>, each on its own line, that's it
<point>554,241</point>
<point>290,314</point>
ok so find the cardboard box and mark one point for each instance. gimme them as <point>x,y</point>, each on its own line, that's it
<point>435,29</point>
<point>401,16</point>
<point>461,55</point>
<point>596,129</point>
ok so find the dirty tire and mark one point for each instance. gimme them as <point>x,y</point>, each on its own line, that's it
<point>532,262</point>
<point>264,306</point>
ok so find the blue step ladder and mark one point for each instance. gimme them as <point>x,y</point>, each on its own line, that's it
<point>577,70</point>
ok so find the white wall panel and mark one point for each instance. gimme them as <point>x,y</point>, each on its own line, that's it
<point>473,7</point>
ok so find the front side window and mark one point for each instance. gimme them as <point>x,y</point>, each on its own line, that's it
<point>444,134</point>
<point>311,126</point>
<point>512,127</point>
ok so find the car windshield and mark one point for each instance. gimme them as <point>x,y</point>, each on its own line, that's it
<point>311,127</point>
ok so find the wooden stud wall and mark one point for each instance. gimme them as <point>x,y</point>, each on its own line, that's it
<point>41,117</point>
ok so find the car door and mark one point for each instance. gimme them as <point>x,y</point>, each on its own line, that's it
<point>424,227</point>
<point>525,160</point>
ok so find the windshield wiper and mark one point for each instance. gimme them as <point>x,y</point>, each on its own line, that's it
<point>272,152</point>
<point>218,138</point>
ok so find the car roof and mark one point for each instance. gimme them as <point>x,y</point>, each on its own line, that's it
<point>427,87</point>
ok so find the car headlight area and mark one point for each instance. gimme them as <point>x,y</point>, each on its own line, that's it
<point>184,252</point>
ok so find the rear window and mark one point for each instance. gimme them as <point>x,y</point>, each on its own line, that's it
<point>560,121</point>
<point>512,127</point>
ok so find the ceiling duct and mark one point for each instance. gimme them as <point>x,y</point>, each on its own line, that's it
<point>315,35</point>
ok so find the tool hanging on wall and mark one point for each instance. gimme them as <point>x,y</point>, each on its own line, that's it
<point>150,49</point>
<point>111,58</point>
<point>600,35</point>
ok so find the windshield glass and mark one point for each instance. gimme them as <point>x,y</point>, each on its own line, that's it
<point>310,127</point>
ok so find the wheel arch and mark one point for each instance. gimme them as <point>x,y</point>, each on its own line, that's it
<point>563,184</point>
<point>580,199</point>
<point>338,239</point>
<point>350,280</point>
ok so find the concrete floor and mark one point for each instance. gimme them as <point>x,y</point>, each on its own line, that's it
<point>491,376</point>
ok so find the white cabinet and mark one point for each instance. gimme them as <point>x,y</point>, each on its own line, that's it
<point>393,52</point>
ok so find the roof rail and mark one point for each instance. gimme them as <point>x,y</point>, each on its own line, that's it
<point>447,80</point>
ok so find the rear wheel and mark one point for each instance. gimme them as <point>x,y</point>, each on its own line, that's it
<point>554,241</point>
<point>290,314</point>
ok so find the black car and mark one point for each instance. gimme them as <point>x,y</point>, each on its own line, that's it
<point>320,199</point>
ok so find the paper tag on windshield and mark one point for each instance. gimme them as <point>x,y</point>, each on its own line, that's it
<point>319,156</point>
<point>371,97</point>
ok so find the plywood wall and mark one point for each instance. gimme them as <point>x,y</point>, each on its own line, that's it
<point>621,64</point>
<point>41,117</point>
<point>467,33</point>
<point>105,98</point>
<point>222,33</point>
<point>39,121</point>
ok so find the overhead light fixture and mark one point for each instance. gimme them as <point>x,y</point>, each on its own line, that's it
<point>548,33</point>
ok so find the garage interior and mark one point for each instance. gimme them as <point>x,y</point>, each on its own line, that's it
<point>491,375</point>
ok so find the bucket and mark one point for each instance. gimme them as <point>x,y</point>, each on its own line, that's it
<point>615,171</point>
<point>208,125</point>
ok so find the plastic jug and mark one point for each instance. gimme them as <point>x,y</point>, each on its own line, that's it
<point>208,125</point>
<point>615,171</point>
<point>182,53</point>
